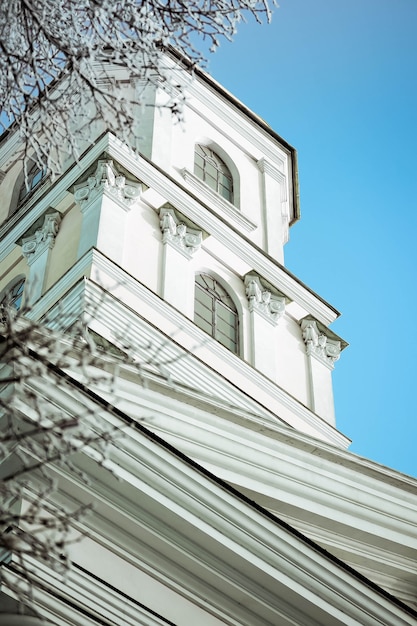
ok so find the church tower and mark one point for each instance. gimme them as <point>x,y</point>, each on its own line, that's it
<point>237,501</point>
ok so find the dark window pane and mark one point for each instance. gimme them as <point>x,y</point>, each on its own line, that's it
<point>227,343</point>
<point>215,312</point>
<point>209,167</point>
<point>203,312</point>
<point>211,182</point>
<point>211,170</point>
<point>199,160</point>
<point>204,325</point>
<point>34,177</point>
<point>225,181</point>
<point>198,171</point>
<point>225,193</point>
<point>204,298</point>
<point>225,314</point>
<point>13,297</point>
<point>225,330</point>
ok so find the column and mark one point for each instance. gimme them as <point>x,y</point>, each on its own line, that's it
<point>266,309</point>
<point>105,200</point>
<point>275,209</point>
<point>180,242</point>
<point>36,248</point>
<point>322,350</point>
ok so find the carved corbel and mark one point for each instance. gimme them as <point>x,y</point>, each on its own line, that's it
<point>261,299</point>
<point>319,343</point>
<point>107,178</point>
<point>187,240</point>
<point>43,238</point>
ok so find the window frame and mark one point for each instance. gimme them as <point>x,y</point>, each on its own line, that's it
<point>26,190</point>
<point>12,293</point>
<point>21,192</point>
<point>214,172</point>
<point>215,322</point>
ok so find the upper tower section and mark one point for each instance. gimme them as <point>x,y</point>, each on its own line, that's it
<point>219,150</point>
<point>230,159</point>
<point>178,233</point>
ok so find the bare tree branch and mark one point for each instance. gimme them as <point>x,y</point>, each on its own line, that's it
<point>65,63</point>
<point>38,436</point>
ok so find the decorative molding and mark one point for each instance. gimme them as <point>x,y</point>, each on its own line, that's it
<point>270,170</point>
<point>319,343</point>
<point>42,239</point>
<point>230,528</point>
<point>268,398</point>
<point>207,99</point>
<point>177,233</point>
<point>107,178</point>
<point>261,299</point>
<point>192,209</point>
<point>267,168</point>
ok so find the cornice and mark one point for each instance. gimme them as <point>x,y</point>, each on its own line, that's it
<point>280,470</point>
<point>12,230</point>
<point>277,476</point>
<point>206,515</point>
<point>311,457</point>
<point>171,191</point>
<point>149,306</point>
<point>192,208</point>
<point>85,598</point>
<point>251,127</point>
<point>267,168</point>
<point>381,561</point>
<point>378,557</point>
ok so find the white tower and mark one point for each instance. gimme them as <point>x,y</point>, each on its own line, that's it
<point>237,502</point>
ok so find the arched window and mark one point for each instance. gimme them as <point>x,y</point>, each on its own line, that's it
<point>215,312</point>
<point>12,296</point>
<point>25,185</point>
<point>34,177</point>
<point>213,171</point>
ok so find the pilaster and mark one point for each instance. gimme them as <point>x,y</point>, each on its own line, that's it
<point>265,309</point>
<point>180,242</point>
<point>105,199</point>
<point>275,209</point>
<point>36,248</point>
<point>322,349</point>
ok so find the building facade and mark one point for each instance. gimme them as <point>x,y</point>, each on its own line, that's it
<point>232,497</point>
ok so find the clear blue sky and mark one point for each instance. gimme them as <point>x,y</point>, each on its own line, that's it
<point>338,80</point>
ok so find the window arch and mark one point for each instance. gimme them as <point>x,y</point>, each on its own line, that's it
<point>34,177</point>
<point>215,312</point>
<point>12,295</point>
<point>212,170</point>
<point>25,185</point>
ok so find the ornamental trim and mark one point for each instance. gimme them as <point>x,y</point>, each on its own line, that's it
<point>107,179</point>
<point>319,343</point>
<point>261,299</point>
<point>42,239</point>
<point>175,232</point>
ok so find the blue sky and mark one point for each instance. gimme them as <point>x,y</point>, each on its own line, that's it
<point>338,80</point>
